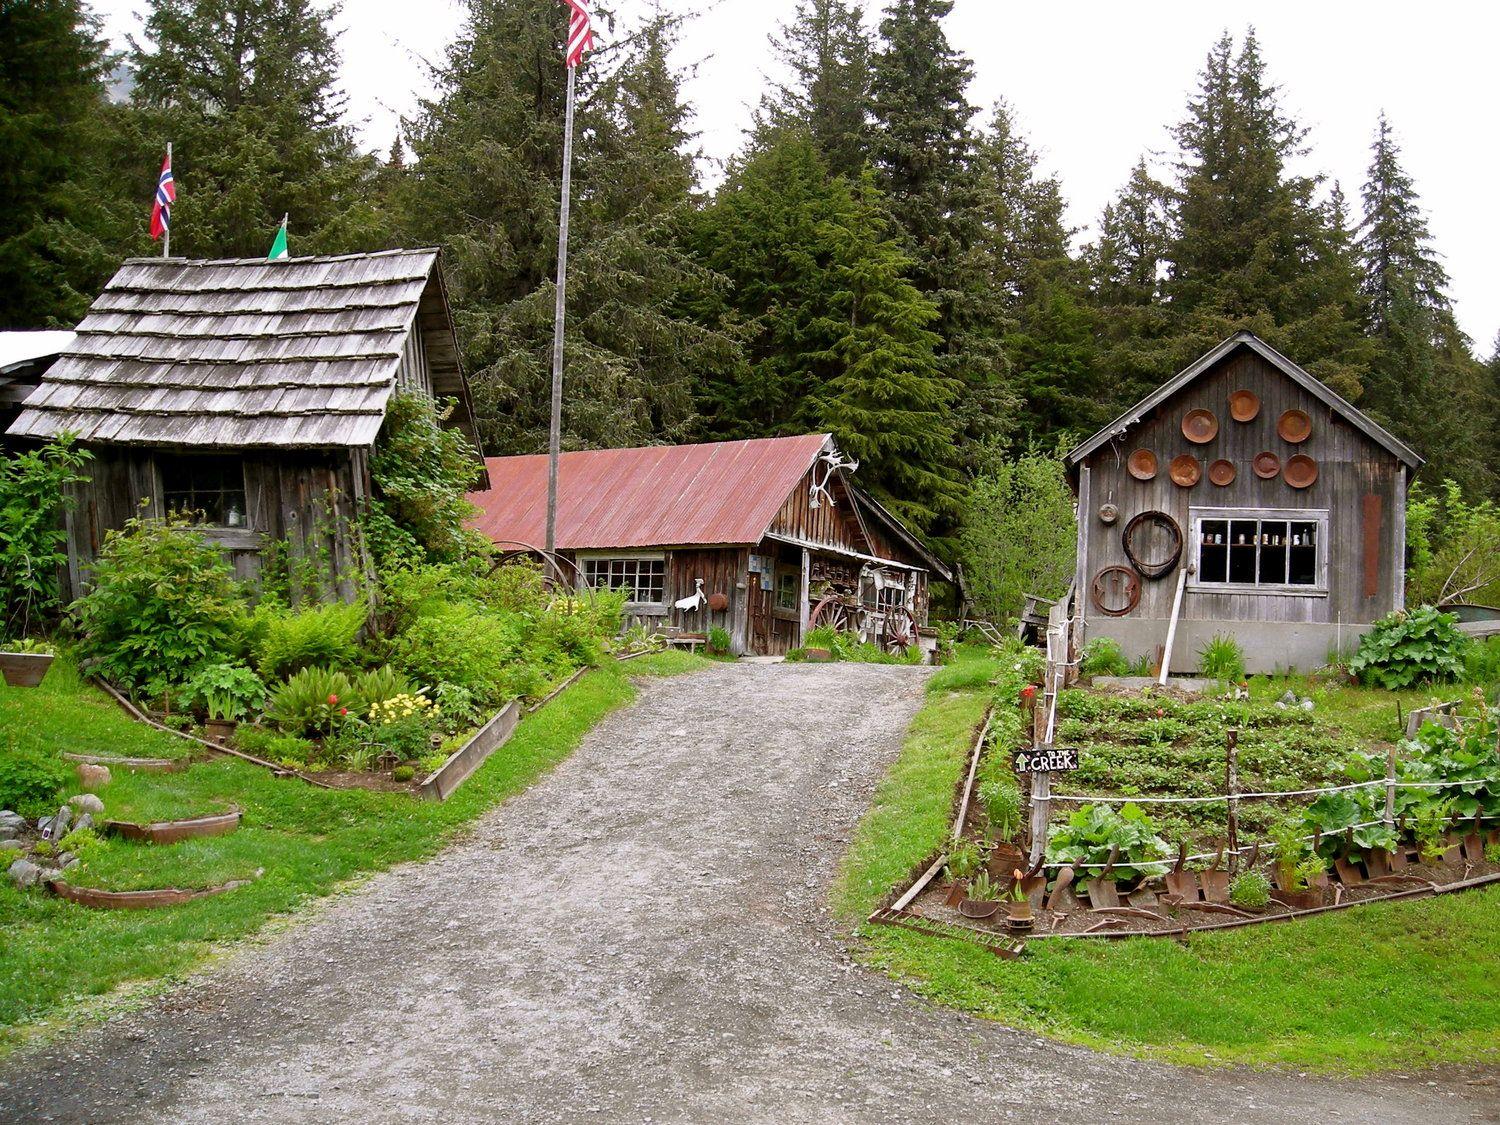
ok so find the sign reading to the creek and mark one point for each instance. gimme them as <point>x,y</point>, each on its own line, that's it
<point>1055,759</point>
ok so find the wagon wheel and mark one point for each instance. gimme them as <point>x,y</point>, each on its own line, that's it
<point>900,629</point>
<point>1115,590</point>
<point>1146,526</point>
<point>832,612</point>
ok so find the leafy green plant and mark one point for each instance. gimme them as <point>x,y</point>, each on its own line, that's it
<point>1411,647</point>
<point>1094,832</point>
<point>380,684</point>
<point>313,701</point>
<point>1250,889</point>
<point>1103,656</point>
<point>30,781</point>
<point>964,859</point>
<point>456,646</point>
<point>982,888</point>
<point>163,602</point>
<point>1001,797</point>
<point>1482,662</point>
<point>1296,865</point>
<point>1222,659</point>
<point>325,635</point>
<point>1430,829</point>
<point>719,641</point>
<point>224,691</point>
<point>403,773</point>
<point>35,489</point>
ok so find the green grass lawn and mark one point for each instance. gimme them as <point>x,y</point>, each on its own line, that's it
<point>57,958</point>
<point>1386,986</point>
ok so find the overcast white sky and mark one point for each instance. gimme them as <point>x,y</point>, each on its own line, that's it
<point>1096,85</point>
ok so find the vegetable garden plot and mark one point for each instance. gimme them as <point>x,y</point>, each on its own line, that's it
<point>1144,839</point>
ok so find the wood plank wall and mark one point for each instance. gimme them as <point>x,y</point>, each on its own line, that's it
<point>1352,469</point>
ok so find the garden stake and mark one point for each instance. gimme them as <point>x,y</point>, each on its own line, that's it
<point>1390,785</point>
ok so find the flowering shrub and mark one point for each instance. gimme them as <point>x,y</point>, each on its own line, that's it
<point>400,707</point>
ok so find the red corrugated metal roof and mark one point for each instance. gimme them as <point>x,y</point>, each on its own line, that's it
<point>658,496</point>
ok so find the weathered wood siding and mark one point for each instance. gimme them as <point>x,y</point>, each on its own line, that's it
<point>414,375</point>
<point>1351,470</point>
<point>309,499</point>
<point>834,524</point>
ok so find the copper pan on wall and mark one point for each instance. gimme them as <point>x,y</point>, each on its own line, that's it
<point>1200,426</point>
<point>1185,470</point>
<point>1266,465</point>
<point>1301,471</point>
<point>1294,426</point>
<point>1142,464</point>
<point>1244,406</point>
<point>1221,473</point>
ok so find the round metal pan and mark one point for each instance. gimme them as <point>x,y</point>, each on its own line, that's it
<point>1244,406</point>
<point>1185,470</point>
<point>1266,465</point>
<point>1200,426</point>
<point>1221,473</point>
<point>1142,464</point>
<point>1294,427</point>
<point>1301,471</point>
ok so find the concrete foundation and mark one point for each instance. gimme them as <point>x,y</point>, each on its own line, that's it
<point>1269,646</point>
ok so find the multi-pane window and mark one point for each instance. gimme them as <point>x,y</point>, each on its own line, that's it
<point>788,589</point>
<point>1284,550</point>
<point>211,489</point>
<point>642,579</point>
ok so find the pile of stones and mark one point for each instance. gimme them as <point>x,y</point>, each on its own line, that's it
<point>36,856</point>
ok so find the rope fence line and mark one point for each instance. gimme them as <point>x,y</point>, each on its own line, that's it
<point>1379,783</point>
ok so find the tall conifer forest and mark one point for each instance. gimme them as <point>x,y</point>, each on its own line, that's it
<point>883,259</point>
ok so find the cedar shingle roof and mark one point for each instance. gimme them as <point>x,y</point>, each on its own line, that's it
<point>301,352</point>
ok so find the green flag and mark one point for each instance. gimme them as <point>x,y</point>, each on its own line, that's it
<point>278,248</point>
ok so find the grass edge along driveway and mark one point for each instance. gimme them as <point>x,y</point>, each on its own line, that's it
<point>61,963</point>
<point>1381,987</point>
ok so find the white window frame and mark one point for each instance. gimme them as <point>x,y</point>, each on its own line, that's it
<point>1318,516</point>
<point>607,557</point>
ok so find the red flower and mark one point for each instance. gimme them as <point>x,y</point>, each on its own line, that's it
<point>343,710</point>
<point>1159,712</point>
<point>1028,692</point>
<point>332,699</point>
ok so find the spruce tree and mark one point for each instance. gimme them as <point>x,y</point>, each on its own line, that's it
<point>486,185</point>
<point>1252,247</point>
<point>827,51</point>
<point>1424,383</point>
<point>837,336</point>
<point>63,216</point>
<point>247,92</point>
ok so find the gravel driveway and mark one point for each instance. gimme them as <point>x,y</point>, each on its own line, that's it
<point>641,937</point>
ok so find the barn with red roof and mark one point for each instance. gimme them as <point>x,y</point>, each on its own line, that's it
<point>763,538</point>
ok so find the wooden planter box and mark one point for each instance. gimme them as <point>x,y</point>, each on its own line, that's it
<point>25,669</point>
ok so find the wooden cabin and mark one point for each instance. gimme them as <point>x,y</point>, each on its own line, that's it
<point>249,393</point>
<point>24,356</point>
<point>1251,497</point>
<point>771,533</point>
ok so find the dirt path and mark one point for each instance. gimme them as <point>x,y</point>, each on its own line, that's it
<point>641,937</point>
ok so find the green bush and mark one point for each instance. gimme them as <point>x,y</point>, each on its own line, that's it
<point>31,782</point>
<point>1411,647</point>
<point>1103,656</point>
<point>34,492</point>
<point>1250,889</point>
<point>1455,547</point>
<point>1093,832</point>
<point>325,635</point>
<point>719,641</point>
<point>379,684</point>
<point>164,601</point>
<point>313,701</point>
<point>472,650</point>
<point>1222,659</point>
<point>224,691</point>
<point>1482,662</point>
<point>1001,797</point>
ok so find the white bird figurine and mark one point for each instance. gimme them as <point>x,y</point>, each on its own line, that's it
<point>695,600</point>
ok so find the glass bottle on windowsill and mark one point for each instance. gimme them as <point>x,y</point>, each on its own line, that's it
<point>234,517</point>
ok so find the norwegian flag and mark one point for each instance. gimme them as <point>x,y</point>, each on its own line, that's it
<point>166,194</point>
<point>580,32</point>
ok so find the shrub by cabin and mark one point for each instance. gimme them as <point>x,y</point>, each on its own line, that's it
<point>1253,499</point>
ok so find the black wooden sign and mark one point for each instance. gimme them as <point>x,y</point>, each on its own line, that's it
<point>1043,759</point>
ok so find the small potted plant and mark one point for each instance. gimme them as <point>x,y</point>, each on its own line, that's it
<point>226,693</point>
<point>24,663</point>
<point>1017,904</point>
<point>964,862</point>
<point>983,899</point>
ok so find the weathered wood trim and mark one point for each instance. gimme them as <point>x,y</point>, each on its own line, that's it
<point>440,785</point>
<point>1398,561</point>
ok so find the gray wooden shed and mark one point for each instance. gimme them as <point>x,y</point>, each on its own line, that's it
<point>1286,504</point>
<point>250,392</point>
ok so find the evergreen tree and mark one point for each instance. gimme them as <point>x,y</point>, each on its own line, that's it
<point>1424,383</point>
<point>1252,248</point>
<point>486,186</point>
<point>247,92</point>
<point>827,50</point>
<point>62,213</point>
<point>837,337</point>
<point>924,156</point>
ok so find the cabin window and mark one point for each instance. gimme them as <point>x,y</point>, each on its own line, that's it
<point>211,489</point>
<point>789,589</point>
<point>1272,551</point>
<point>643,579</point>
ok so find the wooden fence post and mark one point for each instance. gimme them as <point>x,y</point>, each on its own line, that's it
<point>1231,788</point>
<point>1390,788</point>
<point>1041,811</point>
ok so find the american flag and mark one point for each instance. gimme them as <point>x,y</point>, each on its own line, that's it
<point>166,193</point>
<point>580,32</point>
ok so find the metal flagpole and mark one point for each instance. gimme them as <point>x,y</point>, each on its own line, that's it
<point>166,241</point>
<point>554,434</point>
